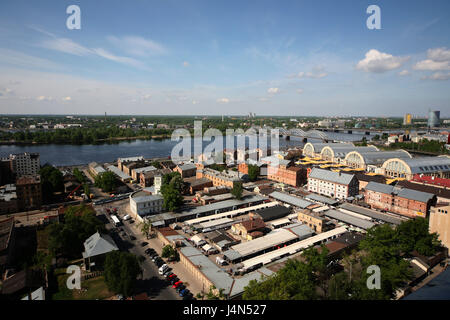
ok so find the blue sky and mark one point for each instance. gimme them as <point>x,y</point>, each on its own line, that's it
<point>225,57</point>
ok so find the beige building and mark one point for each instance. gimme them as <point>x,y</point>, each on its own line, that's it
<point>314,220</point>
<point>440,222</point>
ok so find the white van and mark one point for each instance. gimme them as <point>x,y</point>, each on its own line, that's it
<point>127,217</point>
<point>163,269</point>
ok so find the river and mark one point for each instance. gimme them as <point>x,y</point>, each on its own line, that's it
<point>68,154</point>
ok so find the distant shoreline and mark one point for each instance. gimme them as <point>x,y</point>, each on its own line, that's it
<point>99,141</point>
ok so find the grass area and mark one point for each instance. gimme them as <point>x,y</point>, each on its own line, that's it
<point>91,289</point>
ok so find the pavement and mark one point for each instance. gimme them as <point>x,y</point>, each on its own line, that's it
<point>151,282</point>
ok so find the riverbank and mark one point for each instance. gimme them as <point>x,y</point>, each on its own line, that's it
<point>98,141</point>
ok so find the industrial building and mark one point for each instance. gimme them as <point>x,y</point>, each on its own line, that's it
<point>314,149</point>
<point>370,161</point>
<point>337,153</point>
<point>407,168</point>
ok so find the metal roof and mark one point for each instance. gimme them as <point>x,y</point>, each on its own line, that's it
<point>98,244</point>
<point>120,174</point>
<point>292,200</point>
<point>371,213</point>
<point>187,166</point>
<point>145,169</point>
<point>348,219</point>
<point>271,239</point>
<point>327,175</point>
<point>321,199</point>
<point>149,198</point>
<point>221,205</point>
<point>399,191</point>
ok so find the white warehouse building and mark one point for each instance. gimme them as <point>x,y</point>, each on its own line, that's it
<point>143,204</point>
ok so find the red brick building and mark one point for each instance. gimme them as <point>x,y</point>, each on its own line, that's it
<point>407,202</point>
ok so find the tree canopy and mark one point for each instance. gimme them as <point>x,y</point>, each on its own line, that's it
<point>106,181</point>
<point>253,172</point>
<point>237,190</point>
<point>171,190</point>
<point>79,224</point>
<point>52,181</point>
<point>121,272</point>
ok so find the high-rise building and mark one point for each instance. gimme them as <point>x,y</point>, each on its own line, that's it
<point>434,119</point>
<point>29,192</point>
<point>26,163</point>
<point>407,119</point>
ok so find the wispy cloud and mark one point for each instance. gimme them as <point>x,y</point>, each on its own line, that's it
<point>138,46</point>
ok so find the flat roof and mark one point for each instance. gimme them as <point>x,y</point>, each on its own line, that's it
<point>371,213</point>
<point>292,248</point>
<point>221,205</point>
<point>217,222</point>
<point>321,199</point>
<point>120,174</point>
<point>231,213</point>
<point>346,218</point>
<point>292,200</point>
<point>271,239</point>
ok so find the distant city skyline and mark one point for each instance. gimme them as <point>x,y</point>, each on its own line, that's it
<point>288,58</point>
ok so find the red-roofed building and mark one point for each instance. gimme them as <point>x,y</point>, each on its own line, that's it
<point>435,181</point>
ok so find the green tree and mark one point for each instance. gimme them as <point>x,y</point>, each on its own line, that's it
<point>121,272</point>
<point>253,172</point>
<point>79,224</point>
<point>237,190</point>
<point>52,181</point>
<point>169,252</point>
<point>146,228</point>
<point>106,181</point>
<point>171,190</point>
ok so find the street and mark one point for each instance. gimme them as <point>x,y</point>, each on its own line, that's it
<point>151,282</point>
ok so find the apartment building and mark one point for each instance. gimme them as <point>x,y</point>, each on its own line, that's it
<point>440,222</point>
<point>29,192</point>
<point>147,178</point>
<point>293,176</point>
<point>227,179</point>
<point>25,163</point>
<point>403,201</point>
<point>333,184</point>
<point>143,204</point>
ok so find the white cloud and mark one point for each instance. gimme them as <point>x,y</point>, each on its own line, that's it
<point>273,90</point>
<point>223,100</point>
<point>138,46</point>
<point>404,73</point>
<point>438,76</point>
<point>379,62</point>
<point>315,73</point>
<point>185,64</point>
<point>439,54</point>
<point>16,58</point>
<point>124,60</point>
<point>299,91</point>
<point>431,65</point>
<point>66,45</point>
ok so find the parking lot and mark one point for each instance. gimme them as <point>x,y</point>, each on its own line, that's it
<point>129,238</point>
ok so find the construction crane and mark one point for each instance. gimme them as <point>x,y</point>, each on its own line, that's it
<point>70,194</point>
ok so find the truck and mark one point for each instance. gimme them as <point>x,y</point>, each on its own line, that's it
<point>115,220</point>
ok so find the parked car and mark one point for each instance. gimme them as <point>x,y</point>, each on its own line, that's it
<point>159,263</point>
<point>173,275</point>
<point>167,274</point>
<point>132,237</point>
<point>180,287</point>
<point>183,292</point>
<point>174,280</point>
<point>149,250</point>
<point>131,221</point>
<point>143,244</point>
<point>176,284</point>
<point>127,217</point>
